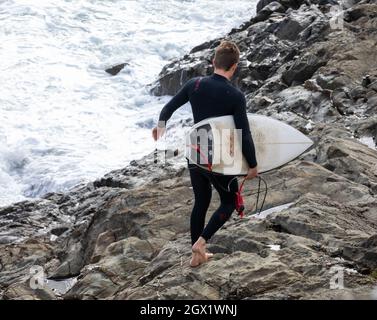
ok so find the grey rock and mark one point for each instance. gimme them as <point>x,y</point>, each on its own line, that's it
<point>262,3</point>
<point>373,86</point>
<point>307,104</point>
<point>365,127</point>
<point>358,11</point>
<point>302,69</point>
<point>114,70</point>
<point>268,10</point>
<point>349,158</point>
<point>357,92</point>
<point>372,105</point>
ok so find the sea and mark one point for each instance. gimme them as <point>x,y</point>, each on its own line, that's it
<point>63,119</point>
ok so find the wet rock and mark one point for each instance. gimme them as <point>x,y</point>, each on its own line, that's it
<point>116,69</point>
<point>365,258</point>
<point>332,80</point>
<point>342,102</point>
<point>262,3</point>
<point>357,92</point>
<point>17,261</point>
<point>373,86</point>
<point>372,105</point>
<point>366,127</point>
<point>23,291</point>
<point>307,104</point>
<point>268,10</point>
<point>205,45</point>
<point>366,81</point>
<point>312,85</point>
<point>289,29</point>
<point>266,57</point>
<point>287,3</point>
<point>302,69</point>
<point>349,158</point>
<point>261,102</point>
<point>121,263</point>
<point>170,80</point>
<point>59,230</point>
<point>149,168</point>
<point>358,11</point>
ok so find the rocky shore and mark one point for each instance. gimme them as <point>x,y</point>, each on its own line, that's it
<point>126,235</point>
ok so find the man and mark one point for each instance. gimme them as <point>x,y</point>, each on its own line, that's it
<point>213,96</point>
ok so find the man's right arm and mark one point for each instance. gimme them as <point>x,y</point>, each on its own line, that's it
<point>178,100</point>
<point>241,122</point>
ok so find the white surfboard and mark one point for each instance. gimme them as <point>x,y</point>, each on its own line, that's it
<point>276,144</point>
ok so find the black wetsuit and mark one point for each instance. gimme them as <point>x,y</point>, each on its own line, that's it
<point>213,96</point>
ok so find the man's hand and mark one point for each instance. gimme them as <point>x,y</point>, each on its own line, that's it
<point>252,173</point>
<point>157,132</point>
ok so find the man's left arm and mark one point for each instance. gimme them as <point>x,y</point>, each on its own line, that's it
<point>242,122</point>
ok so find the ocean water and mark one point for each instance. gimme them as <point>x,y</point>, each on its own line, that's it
<point>63,120</point>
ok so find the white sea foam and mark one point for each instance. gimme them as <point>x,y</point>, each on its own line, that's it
<point>63,119</point>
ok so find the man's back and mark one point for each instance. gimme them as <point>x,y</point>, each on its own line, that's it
<point>213,96</point>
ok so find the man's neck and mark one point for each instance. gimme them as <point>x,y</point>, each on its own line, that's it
<point>223,73</point>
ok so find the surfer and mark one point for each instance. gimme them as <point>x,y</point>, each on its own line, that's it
<point>213,96</point>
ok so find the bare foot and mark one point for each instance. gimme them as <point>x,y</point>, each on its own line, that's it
<point>199,254</point>
<point>197,259</point>
<point>199,246</point>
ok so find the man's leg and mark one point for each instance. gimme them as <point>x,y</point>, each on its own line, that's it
<point>227,205</point>
<point>219,217</point>
<point>202,189</point>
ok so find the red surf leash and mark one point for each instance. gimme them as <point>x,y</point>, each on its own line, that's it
<point>240,207</point>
